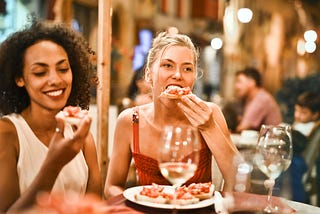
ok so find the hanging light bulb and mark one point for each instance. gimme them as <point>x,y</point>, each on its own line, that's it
<point>244,15</point>
<point>310,47</point>
<point>310,36</point>
<point>216,43</point>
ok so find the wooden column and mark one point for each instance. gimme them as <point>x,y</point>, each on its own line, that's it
<point>103,90</point>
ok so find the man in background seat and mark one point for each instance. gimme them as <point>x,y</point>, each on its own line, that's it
<point>258,106</point>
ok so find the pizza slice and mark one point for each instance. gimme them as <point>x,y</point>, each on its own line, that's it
<point>201,190</point>
<point>175,92</point>
<point>72,114</point>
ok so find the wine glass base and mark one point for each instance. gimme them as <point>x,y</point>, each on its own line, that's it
<point>270,209</point>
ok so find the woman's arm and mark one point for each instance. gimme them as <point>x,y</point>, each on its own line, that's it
<point>61,151</point>
<point>208,118</point>
<point>121,155</point>
<point>94,180</point>
<point>9,182</point>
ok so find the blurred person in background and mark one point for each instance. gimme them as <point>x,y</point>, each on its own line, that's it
<point>139,90</point>
<point>307,113</point>
<point>307,121</point>
<point>257,105</point>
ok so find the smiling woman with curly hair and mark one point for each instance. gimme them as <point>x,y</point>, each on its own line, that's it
<point>44,68</point>
<point>14,98</point>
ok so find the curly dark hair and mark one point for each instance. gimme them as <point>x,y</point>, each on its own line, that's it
<point>14,99</point>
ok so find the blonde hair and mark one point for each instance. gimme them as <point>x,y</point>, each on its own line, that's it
<point>166,39</point>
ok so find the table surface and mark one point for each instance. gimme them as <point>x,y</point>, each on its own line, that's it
<point>121,200</point>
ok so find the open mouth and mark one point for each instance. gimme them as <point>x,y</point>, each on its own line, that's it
<point>173,86</point>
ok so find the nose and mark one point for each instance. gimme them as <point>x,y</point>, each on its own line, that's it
<point>54,77</point>
<point>177,74</point>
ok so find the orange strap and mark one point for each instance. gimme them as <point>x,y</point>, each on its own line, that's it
<point>135,126</point>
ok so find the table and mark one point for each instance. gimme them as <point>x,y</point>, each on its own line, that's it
<point>300,208</point>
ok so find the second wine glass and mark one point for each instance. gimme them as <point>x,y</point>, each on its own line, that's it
<point>273,156</point>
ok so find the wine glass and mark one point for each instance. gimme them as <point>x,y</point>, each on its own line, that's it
<point>179,154</point>
<point>273,156</point>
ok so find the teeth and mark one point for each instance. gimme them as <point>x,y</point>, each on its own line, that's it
<point>173,86</point>
<point>55,93</point>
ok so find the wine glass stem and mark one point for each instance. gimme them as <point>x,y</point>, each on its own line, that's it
<point>174,210</point>
<point>270,195</point>
<point>269,184</point>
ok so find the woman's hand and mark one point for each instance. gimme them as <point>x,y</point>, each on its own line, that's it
<point>63,149</point>
<point>71,203</point>
<point>197,111</point>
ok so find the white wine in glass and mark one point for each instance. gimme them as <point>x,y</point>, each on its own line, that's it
<point>273,156</point>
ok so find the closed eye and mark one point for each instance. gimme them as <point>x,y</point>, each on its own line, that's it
<point>40,74</point>
<point>63,70</point>
<point>166,65</point>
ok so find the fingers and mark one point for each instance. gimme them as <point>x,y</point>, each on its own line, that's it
<point>195,109</point>
<point>84,128</point>
<point>60,126</point>
<point>192,100</point>
<point>194,105</point>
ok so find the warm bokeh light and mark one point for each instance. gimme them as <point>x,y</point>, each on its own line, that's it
<point>216,43</point>
<point>245,15</point>
<point>310,47</point>
<point>310,36</point>
<point>300,47</point>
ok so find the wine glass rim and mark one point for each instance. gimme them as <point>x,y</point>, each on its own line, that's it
<point>280,126</point>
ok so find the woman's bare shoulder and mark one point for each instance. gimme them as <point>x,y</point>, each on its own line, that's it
<point>7,127</point>
<point>127,114</point>
<point>8,133</point>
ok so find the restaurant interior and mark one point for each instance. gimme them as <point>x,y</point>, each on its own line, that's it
<point>278,37</point>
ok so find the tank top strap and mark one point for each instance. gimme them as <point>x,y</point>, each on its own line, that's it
<point>135,129</point>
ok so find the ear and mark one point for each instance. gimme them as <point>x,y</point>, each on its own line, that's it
<point>20,82</point>
<point>148,76</point>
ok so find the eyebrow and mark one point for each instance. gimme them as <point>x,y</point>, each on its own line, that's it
<point>46,65</point>
<point>170,60</point>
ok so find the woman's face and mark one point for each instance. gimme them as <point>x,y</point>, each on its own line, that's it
<point>174,66</point>
<point>47,75</point>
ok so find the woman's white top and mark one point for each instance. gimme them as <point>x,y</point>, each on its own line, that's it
<point>73,176</point>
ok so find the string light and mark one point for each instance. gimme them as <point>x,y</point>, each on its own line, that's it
<point>245,15</point>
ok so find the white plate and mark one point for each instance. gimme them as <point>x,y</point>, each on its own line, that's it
<point>131,192</point>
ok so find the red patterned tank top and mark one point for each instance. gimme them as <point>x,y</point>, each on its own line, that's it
<point>148,170</point>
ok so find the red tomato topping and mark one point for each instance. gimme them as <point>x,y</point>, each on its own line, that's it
<point>74,111</point>
<point>198,188</point>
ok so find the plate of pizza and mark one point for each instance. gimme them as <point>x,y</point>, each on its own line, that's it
<point>194,196</point>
